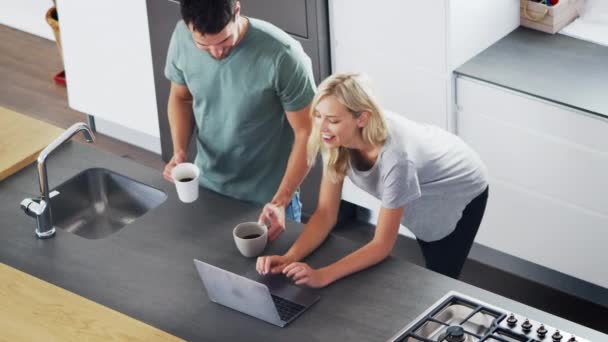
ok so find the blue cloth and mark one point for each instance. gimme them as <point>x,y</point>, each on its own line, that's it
<point>294,209</point>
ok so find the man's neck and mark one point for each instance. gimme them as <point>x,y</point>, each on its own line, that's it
<point>243,26</point>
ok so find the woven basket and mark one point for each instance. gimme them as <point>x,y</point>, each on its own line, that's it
<point>548,19</point>
<point>50,16</point>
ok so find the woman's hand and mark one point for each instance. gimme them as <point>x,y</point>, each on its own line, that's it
<point>302,274</point>
<point>271,264</point>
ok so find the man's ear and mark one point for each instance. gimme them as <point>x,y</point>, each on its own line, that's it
<point>237,9</point>
<point>363,119</point>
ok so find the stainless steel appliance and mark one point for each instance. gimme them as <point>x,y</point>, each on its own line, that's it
<point>458,318</point>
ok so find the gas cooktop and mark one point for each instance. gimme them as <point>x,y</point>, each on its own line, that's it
<point>458,318</point>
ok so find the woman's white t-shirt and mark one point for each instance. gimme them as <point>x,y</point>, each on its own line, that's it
<point>427,170</point>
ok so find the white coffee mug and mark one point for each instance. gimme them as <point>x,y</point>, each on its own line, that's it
<point>185,176</point>
<point>250,238</point>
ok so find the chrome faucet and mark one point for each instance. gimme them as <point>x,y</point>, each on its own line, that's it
<point>40,208</point>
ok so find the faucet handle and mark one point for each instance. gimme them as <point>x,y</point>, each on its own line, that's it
<point>33,206</point>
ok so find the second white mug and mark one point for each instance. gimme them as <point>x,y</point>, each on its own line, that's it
<point>250,238</point>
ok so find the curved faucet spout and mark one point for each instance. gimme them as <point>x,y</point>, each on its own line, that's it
<point>45,218</point>
<point>65,136</point>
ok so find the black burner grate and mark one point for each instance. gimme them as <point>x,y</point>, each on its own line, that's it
<point>480,323</point>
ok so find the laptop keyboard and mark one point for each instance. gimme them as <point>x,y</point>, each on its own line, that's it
<point>286,308</point>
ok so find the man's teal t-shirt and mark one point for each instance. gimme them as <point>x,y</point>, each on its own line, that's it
<point>244,139</point>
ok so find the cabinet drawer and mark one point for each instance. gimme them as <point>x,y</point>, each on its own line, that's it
<point>535,115</point>
<point>544,148</point>
<point>545,231</point>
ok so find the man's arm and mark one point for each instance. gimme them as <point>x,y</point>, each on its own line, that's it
<point>181,122</point>
<point>297,166</point>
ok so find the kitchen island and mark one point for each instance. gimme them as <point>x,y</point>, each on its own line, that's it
<point>146,270</point>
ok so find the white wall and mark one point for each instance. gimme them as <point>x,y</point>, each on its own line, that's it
<point>493,20</point>
<point>27,15</point>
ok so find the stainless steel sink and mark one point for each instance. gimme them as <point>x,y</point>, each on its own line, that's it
<point>98,202</point>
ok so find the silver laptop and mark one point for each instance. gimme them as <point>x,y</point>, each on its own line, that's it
<point>271,298</point>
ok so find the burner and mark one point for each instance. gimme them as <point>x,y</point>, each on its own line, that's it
<point>454,333</point>
<point>457,318</point>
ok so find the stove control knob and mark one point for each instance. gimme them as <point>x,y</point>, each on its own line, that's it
<point>526,326</point>
<point>557,336</point>
<point>572,339</point>
<point>541,331</point>
<point>512,320</point>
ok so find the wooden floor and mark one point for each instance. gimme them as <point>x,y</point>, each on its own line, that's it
<point>27,66</point>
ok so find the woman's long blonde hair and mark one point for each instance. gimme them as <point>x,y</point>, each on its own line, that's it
<point>353,93</point>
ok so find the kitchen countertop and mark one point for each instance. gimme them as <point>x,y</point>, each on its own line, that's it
<point>556,68</point>
<point>146,270</point>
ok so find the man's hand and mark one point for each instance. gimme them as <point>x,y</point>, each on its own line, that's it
<point>274,217</point>
<point>179,157</point>
<point>271,264</point>
<point>302,274</point>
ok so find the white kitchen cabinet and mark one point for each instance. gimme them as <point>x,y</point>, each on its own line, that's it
<point>408,44</point>
<point>409,49</point>
<point>106,48</point>
<point>547,165</point>
<point>388,32</point>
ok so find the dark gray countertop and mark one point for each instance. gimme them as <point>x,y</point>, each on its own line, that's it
<point>146,269</point>
<point>557,68</point>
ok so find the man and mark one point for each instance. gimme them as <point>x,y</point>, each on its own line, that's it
<point>247,86</point>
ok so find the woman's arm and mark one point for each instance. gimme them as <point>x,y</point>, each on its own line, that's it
<point>370,254</point>
<point>314,233</point>
<point>321,222</point>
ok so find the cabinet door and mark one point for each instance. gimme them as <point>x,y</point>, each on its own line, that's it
<point>304,20</point>
<point>401,46</point>
<point>107,61</point>
<point>393,33</point>
<point>163,16</point>
<point>547,167</point>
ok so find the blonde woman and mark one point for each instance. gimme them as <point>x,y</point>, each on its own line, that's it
<point>426,178</point>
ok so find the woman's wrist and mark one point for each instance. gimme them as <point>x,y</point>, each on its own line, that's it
<point>327,276</point>
<point>288,257</point>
